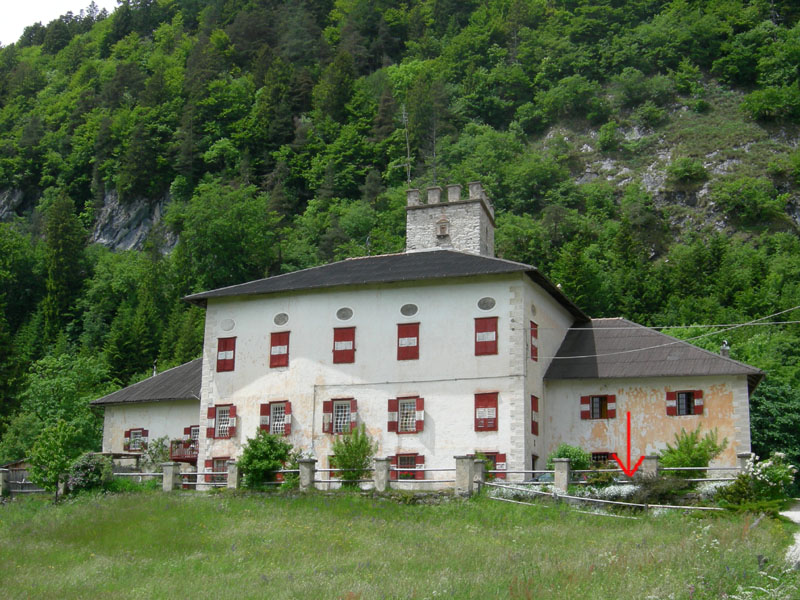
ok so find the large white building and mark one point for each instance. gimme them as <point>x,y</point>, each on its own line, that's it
<point>439,351</point>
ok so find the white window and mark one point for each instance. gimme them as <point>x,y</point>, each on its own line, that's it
<point>341,417</point>
<point>194,434</point>
<point>136,439</point>
<point>223,422</point>
<point>277,418</point>
<point>408,415</point>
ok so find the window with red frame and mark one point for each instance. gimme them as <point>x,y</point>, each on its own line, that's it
<point>534,415</point>
<point>276,417</point>
<point>408,341</point>
<point>687,402</point>
<point>414,462</point>
<point>279,349</point>
<point>135,440</point>
<point>221,421</point>
<point>486,412</point>
<point>344,345</point>
<point>534,341</point>
<point>406,415</point>
<point>485,336</point>
<point>226,354</point>
<point>498,464</point>
<point>599,407</point>
<point>216,470</point>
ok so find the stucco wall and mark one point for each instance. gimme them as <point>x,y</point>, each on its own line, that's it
<point>160,418</point>
<point>447,374</point>
<point>726,408</point>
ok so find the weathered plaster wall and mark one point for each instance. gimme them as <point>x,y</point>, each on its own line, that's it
<point>166,418</point>
<point>726,408</point>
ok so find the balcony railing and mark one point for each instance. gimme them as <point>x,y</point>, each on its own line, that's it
<point>185,451</point>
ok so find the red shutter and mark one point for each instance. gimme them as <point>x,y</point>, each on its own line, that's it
<point>127,434</point>
<point>534,353</point>
<point>393,465</point>
<point>212,416</point>
<point>611,412</point>
<point>534,403</point>
<point>209,465</point>
<point>672,404</point>
<point>344,345</point>
<point>698,402</point>
<point>279,349</point>
<point>407,341</point>
<point>327,416</point>
<point>586,407</point>
<point>500,465</point>
<point>145,434</point>
<point>420,414</point>
<point>264,415</point>
<point>485,336</point>
<point>394,407</point>
<point>420,464</point>
<point>226,354</point>
<point>353,413</point>
<point>287,419</point>
<point>232,428</point>
<point>187,431</point>
<point>534,344</point>
<point>534,331</point>
<point>486,412</point>
<point>535,427</point>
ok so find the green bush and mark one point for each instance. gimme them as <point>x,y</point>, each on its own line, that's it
<point>598,479</point>
<point>609,137</point>
<point>649,115</point>
<point>686,170</point>
<point>155,454</point>
<point>773,103</point>
<point>749,199</point>
<point>690,450</point>
<point>579,459</point>
<point>261,457</point>
<point>764,481</point>
<point>90,471</point>
<point>659,490</point>
<point>353,453</point>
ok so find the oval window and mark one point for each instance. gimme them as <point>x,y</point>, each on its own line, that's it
<point>344,314</point>
<point>227,324</point>
<point>281,319</point>
<point>408,310</point>
<point>486,303</point>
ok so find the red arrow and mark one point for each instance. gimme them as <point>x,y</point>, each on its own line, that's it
<point>627,470</point>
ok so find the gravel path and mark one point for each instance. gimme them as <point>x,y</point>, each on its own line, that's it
<point>793,554</point>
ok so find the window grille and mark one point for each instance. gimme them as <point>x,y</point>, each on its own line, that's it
<point>408,415</point>
<point>599,407</point>
<point>685,403</point>
<point>194,433</point>
<point>223,422</point>
<point>341,417</point>
<point>277,418</point>
<point>136,439</point>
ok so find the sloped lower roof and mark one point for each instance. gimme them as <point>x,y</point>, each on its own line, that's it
<point>179,383</point>
<point>389,268</point>
<point>618,348</point>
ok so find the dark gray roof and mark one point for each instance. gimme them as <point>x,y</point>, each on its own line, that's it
<point>179,383</point>
<point>389,268</point>
<point>606,348</point>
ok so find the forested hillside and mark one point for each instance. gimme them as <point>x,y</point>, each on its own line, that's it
<point>642,153</point>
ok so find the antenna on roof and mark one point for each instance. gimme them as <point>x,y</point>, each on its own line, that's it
<point>155,370</point>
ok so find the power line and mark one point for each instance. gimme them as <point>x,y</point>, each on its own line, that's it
<point>697,337</point>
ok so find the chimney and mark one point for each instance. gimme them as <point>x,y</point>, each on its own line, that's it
<point>453,192</point>
<point>412,197</point>
<point>434,195</point>
<point>725,350</point>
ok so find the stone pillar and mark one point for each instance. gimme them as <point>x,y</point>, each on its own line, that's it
<point>234,476</point>
<point>562,474</point>
<point>743,457</point>
<point>307,473</point>
<point>453,192</point>
<point>479,468</point>
<point>412,197</point>
<point>434,194</point>
<point>475,190</point>
<point>464,475</point>
<point>648,468</point>
<point>5,482</point>
<point>382,474</point>
<point>172,476</point>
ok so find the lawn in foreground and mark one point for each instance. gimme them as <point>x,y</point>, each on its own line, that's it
<point>185,545</point>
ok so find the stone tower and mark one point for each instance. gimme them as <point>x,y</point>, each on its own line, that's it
<point>453,223</point>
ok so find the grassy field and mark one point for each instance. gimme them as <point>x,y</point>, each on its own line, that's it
<point>187,545</point>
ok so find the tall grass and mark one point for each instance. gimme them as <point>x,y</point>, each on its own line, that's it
<point>184,545</point>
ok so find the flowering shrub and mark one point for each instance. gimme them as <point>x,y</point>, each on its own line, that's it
<point>609,492</point>
<point>89,471</point>
<point>765,480</point>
